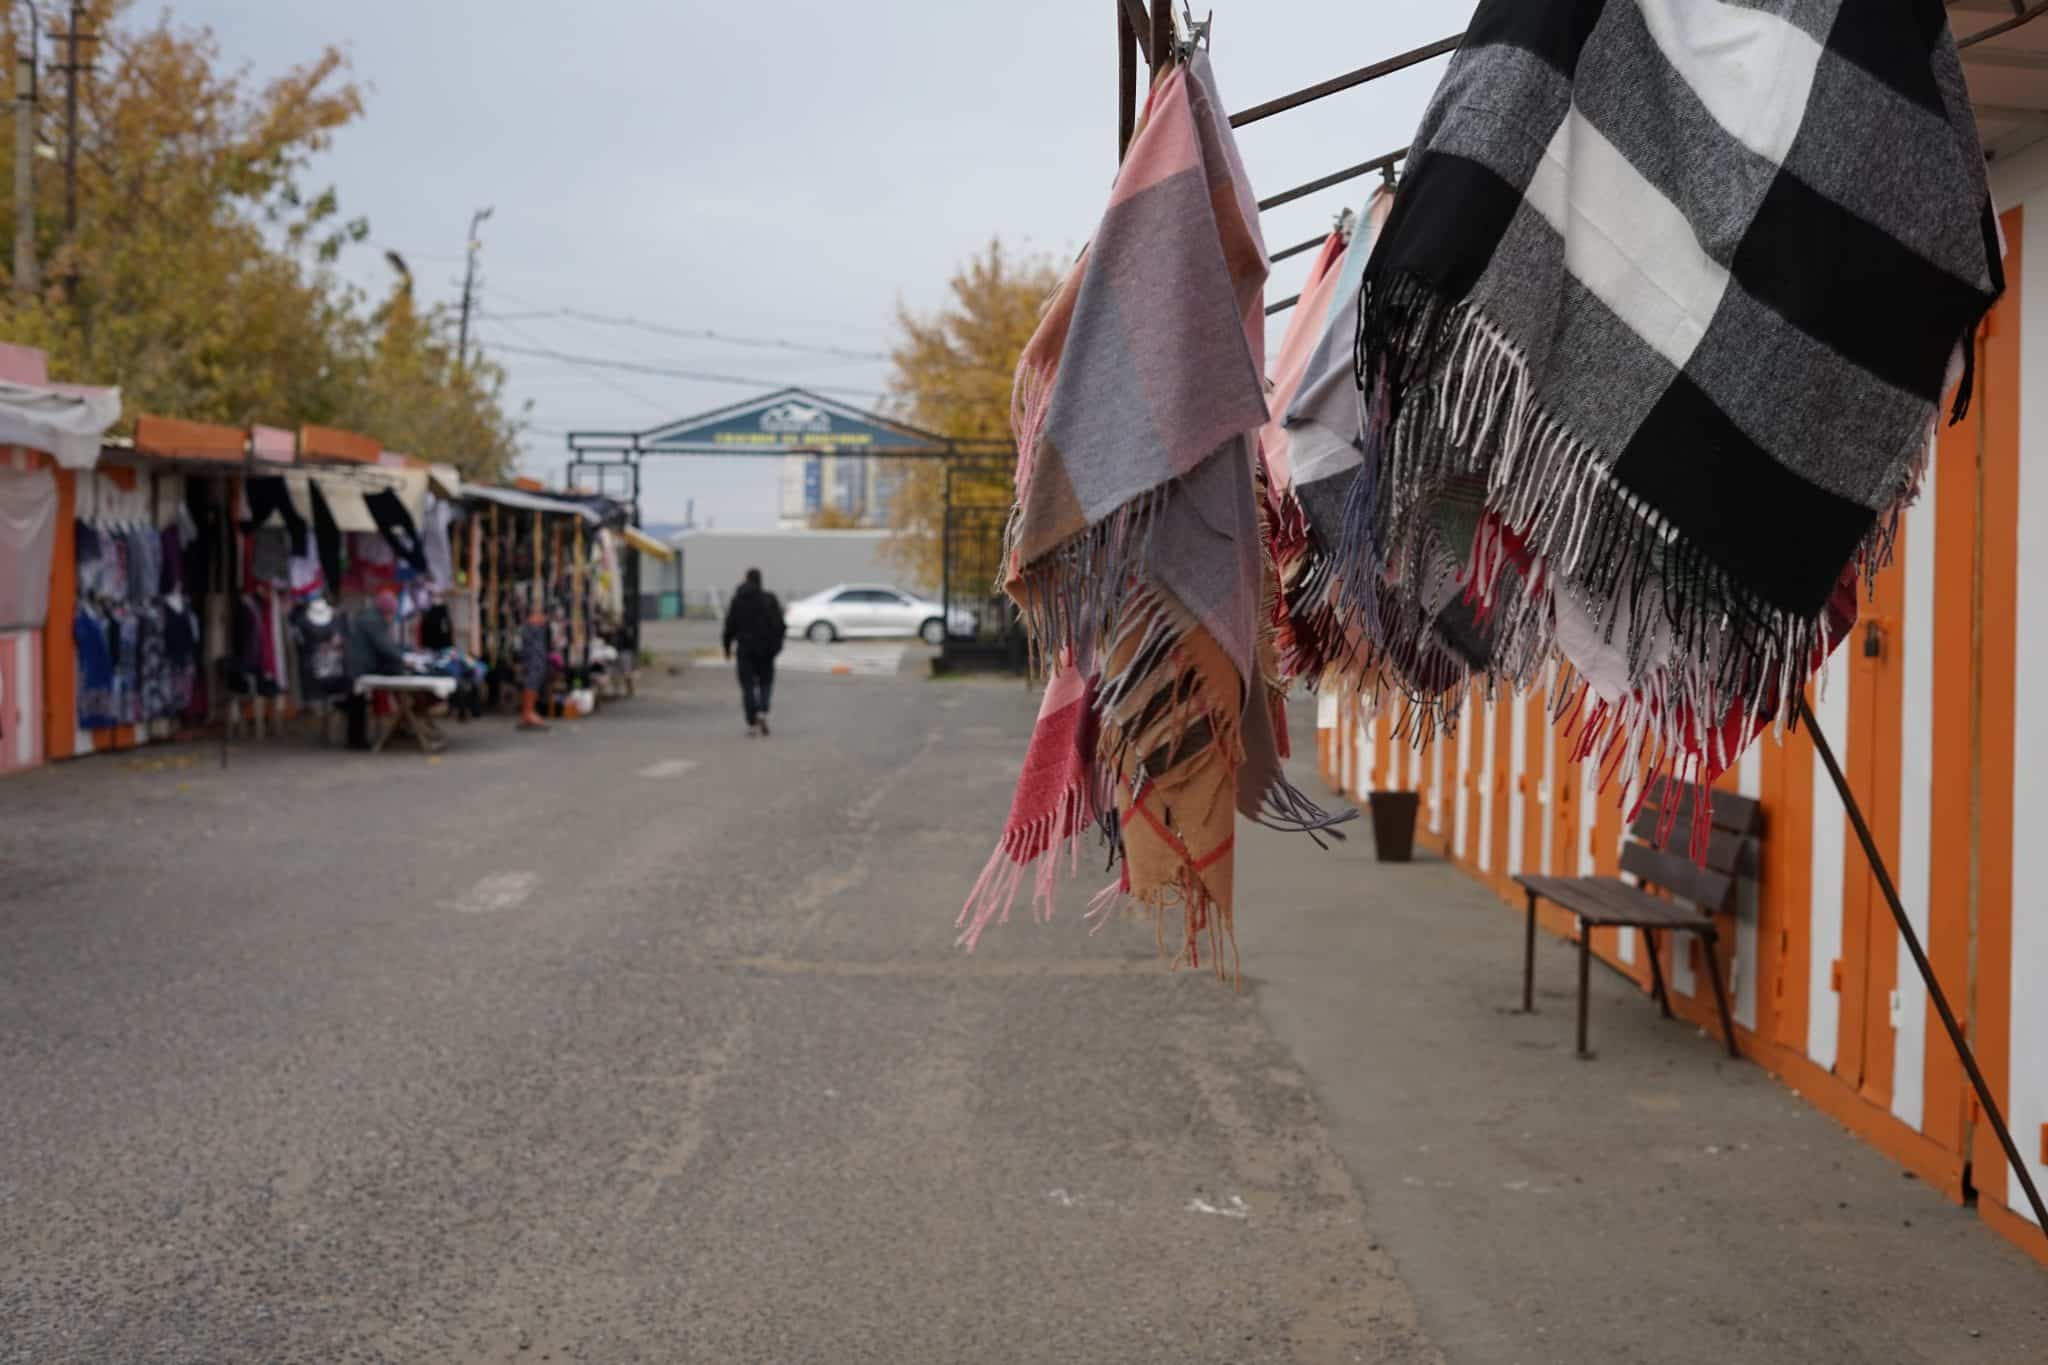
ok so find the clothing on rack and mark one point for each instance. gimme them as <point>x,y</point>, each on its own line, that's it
<point>396,525</point>
<point>440,554</point>
<point>269,497</point>
<point>97,708</point>
<point>321,634</point>
<point>326,538</point>
<point>28,542</point>
<point>183,694</point>
<point>270,557</point>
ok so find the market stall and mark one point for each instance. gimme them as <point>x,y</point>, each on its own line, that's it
<point>531,560</point>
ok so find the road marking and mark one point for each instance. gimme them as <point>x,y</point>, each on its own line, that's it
<point>503,891</point>
<point>669,767</point>
<point>1233,1208</point>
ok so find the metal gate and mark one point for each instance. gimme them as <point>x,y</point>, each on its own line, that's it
<point>982,626</point>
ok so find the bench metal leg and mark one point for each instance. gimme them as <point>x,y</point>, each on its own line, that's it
<point>1657,970</point>
<point>1585,983</point>
<point>1720,996</point>
<point>1529,960</point>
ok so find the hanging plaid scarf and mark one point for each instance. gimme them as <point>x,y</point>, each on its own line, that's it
<point>1136,552</point>
<point>1651,348</point>
<point>1324,432</point>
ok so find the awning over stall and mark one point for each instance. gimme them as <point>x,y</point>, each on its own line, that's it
<point>528,502</point>
<point>66,421</point>
<point>647,545</point>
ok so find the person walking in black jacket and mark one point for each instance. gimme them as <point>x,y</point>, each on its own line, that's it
<point>753,627</point>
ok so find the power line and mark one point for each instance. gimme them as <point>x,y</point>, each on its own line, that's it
<point>601,378</point>
<point>542,311</point>
<point>666,372</point>
<point>729,338</point>
<point>691,334</point>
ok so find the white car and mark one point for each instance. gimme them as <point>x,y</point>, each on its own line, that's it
<point>855,611</point>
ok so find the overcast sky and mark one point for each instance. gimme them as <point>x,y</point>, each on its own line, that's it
<point>782,169</point>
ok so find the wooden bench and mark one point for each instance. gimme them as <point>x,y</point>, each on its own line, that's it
<point>1699,893</point>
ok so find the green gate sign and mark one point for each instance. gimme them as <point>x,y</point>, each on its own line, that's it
<point>789,422</point>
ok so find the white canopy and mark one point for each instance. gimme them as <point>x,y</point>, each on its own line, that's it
<point>64,420</point>
<point>528,502</point>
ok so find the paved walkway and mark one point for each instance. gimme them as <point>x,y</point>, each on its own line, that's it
<point>645,1041</point>
<point>1660,1203</point>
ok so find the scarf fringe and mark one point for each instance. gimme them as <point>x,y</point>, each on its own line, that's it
<point>1047,841</point>
<point>1450,398</point>
<point>1074,597</point>
<point>1203,919</point>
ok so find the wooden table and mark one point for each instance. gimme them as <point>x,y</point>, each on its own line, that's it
<point>403,688</point>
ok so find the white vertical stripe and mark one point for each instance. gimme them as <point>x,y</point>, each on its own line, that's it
<point>1753,70</point>
<point>1589,795</point>
<point>1830,823</point>
<point>1613,221</point>
<point>1749,781</point>
<point>1462,798</point>
<point>1549,785</point>
<point>28,710</point>
<point>1488,753</point>
<point>1436,783</point>
<point>2029,1065</point>
<point>1678,953</point>
<point>1916,802</point>
<point>1520,780</point>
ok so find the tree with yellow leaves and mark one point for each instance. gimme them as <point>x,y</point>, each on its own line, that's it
<point>201,276</point>
<point>952,372</point>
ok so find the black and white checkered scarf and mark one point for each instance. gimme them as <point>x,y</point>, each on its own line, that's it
<point>1651,350</point>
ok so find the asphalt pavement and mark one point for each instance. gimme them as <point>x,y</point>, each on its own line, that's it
<point>646,1040</point>
<point>641,1040</point>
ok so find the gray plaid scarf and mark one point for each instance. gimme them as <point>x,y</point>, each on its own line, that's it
<point>1678,287</point>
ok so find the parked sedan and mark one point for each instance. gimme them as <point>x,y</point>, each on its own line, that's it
<point>855,611</point>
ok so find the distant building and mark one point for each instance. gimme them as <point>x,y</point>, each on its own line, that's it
<point>859,486</point>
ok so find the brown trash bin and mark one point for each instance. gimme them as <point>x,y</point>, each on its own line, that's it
<point>1393,824</point>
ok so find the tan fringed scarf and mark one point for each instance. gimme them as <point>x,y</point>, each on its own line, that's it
<point>1136,550</point>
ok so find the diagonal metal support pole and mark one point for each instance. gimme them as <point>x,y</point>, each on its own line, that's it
<point>1992,1112</point>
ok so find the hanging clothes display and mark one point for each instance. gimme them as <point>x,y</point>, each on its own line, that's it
<point>1137,552</point>
<point>96,705</point>
<point>28,541</point>
<point>396,526</point>
<point>321,634</point>
<point>1651,349</point>
<point>133,629</point>
<point>440,555</point>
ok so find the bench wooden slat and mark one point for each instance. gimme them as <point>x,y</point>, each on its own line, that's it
<point>1736,814</point>
<point>1611,903</point>
<point>1678,874</point>
<point>1727,850</point>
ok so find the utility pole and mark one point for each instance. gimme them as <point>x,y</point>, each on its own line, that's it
<point>72,68</point>
<point>476,223</point>
<point>25,281</point>
<point>71,121</point>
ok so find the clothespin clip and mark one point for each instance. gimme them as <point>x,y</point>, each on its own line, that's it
<point>1388,178</point>
<point>1196,34</point>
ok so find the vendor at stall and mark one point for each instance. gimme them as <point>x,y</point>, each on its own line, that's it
<point>371,650</point>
